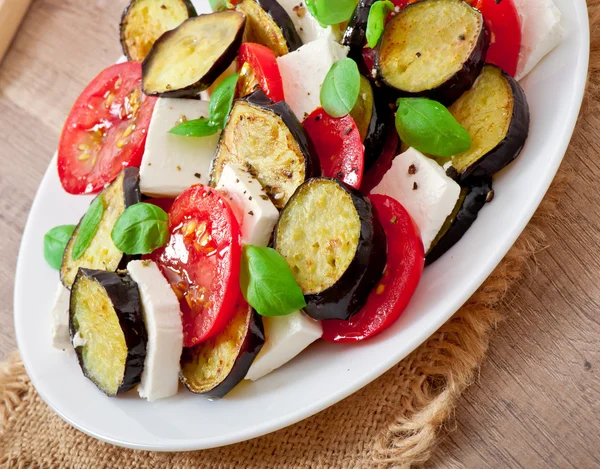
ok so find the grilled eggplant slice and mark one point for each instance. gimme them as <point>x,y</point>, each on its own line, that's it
<point>107,329</point>
<point>102,253</point>
<point>187,60</point>
<point>472,199</point>
<point>433,48</point>
<point>332,239</point>
<point>144,21</point>
<point>270,25</point>
<point>355,34</point>
<point>496,114</point>
<point>215,367</point>
<point>373,118</point>
<point>267,139</point>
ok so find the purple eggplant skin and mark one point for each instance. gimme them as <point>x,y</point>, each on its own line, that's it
<point>349,294</point>
<point>283,20</point>
<point>479,193</point>
<point>448,92</point>
<point>216,70</point>
<point>254,339</point>
<point>356,31</point>
<point>510,147</point>
<point>283,110</point>
<point>124,295</point>
<point>191,11</point>
<point>382,122</point>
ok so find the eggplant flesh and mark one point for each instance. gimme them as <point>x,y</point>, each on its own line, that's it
<point>187,60</point>
<point>144,21</point>
<point>215,367</point>
<point>433,48</point>
<point>473,197</point>
<point>332,240</point>
<point>107,329</point>
<point>496,114</point>
<point>102,253</point>
<point>269,24</point>
<point>267,139</point>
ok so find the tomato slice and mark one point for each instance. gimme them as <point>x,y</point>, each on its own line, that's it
<point>502,19</point>
<point>383,164</point>
<point>257,64</point>
<point>105,130</point>
<point>202,261</point>
<point>338,145</point>
<point>389,298</point>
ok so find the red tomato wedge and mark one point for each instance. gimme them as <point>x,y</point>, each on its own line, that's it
<point>105,130</point>
<point>202,261</point>
<point>338,145</point>
<point>504,25</point>
<point>389,298</point>
<point>261,67</point>
<point>383,164</point>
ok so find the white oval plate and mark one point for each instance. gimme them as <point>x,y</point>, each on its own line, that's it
<point>325,373</point>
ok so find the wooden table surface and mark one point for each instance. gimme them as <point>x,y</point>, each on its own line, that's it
<point>536,403</point>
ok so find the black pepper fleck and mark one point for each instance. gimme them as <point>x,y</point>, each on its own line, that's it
<point>349,131</point>
<point>418,54</point>
<point>415,186</point>
<point>198,175</point>
<point>462,37</point>
<point>251,213</point>
<point>318,118</point>
<point>412,169</point>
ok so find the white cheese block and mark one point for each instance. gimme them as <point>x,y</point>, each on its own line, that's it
<point>422,187</point>
<point>307,26</point>
<point>286,337</point>
<point>172,163</point>
<point>206,94</point>
<point>162,316</point>
<point>303,72</point>
<point>541,32</point>
<point>254,209</point>
<point>61,338</point>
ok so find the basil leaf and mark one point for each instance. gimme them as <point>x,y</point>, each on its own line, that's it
<point>219,5</point>
<point>340,88</point>
<point>141,229</point>
<point>330,12</point>
<point>88,227</point>
<point>55,242</point>
<point>221,101</point>
<point>429,127</point>
<point>376,23</point>
<point>268,284</point>
<point>202,127</point>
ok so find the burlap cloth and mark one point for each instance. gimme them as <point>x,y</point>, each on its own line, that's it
<point>393,422</point>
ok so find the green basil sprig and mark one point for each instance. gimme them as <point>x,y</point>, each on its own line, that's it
<point>88,227</point>
<point>55,242</point>
<point>141,229</point>
<point>218,112</point>
<point>340,88</point>
<point>219,5</point>
<point>376,23</point>
<point>429,127</point>
<point>268,284</point>
<point>330,12</point>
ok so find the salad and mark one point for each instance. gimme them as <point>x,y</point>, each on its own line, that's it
<point>275,173</point>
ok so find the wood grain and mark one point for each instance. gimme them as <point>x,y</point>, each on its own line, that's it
<point>537,401</point>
